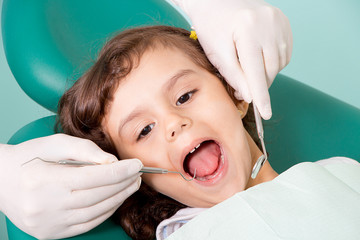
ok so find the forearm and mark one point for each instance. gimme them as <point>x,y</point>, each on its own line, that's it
<point>4,149</point>
<point>8,165</point>
<point>183,4</point>
<point>193,6</point>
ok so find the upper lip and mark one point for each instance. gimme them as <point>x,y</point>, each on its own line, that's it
<point>190,147</point>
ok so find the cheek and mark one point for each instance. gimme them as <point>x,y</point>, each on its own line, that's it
<point>144,153</point>
<point>168,184</point>
<point>147,151</point>
<point>242,158</point>
<point>228,120</point>
<point>219,108</point>
<point>157,181</point>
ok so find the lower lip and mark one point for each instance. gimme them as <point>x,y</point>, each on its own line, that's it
<point>219,173</point>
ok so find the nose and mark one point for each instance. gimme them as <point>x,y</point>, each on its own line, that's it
<point>175,125</point>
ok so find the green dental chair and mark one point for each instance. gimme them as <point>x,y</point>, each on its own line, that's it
<point>49,43</point>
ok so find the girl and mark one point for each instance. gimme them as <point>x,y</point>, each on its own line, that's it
<point>153,95</point>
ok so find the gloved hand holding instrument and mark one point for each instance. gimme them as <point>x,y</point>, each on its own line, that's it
<point>248,41</point>
<point>57,201</point>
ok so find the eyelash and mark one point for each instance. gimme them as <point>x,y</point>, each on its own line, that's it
<point>191,93</point>
<point>142,135</point>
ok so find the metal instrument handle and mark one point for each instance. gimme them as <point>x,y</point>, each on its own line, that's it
<point>153,170</point>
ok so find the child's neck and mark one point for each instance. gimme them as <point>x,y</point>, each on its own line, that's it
<point>266,173</point>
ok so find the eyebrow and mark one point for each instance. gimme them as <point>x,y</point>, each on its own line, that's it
<point>168,86</point>
<point>172,81</point>
<point>134,114</point>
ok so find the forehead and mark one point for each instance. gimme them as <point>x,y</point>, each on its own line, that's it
<point>155,68</point>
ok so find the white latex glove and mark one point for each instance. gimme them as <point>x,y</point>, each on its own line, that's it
<point>55,201</point>
<point>248,41</point>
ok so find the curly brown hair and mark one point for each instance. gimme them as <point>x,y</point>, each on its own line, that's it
<point>83,107</point>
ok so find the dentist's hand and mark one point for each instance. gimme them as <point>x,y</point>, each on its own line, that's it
<point>55,201</point>
<point>249,41</point>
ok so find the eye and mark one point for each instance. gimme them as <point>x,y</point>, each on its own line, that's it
<point>184,98</point>
<point>145,131</point>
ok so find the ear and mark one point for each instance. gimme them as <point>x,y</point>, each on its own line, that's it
<point>243,107</point>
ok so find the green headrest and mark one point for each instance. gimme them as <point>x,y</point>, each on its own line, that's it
<point>48,43</point>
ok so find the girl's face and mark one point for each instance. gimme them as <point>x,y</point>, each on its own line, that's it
<point>167,107</point>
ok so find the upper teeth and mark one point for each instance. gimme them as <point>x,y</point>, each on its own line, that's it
<point>193,150</point>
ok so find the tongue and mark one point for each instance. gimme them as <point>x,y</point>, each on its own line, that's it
<point>205,159</point>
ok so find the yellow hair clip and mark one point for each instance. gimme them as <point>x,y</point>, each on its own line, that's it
<point>193,35</point>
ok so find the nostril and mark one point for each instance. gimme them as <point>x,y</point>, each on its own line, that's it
<point>175,130</point>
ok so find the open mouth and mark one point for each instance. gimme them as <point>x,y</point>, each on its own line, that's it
<point>208,160</point>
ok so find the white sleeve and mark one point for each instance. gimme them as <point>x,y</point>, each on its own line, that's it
<point>178,3</point>
<point>170,225</point>
<point>334,160</point>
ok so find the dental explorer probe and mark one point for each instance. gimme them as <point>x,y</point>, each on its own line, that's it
<point>64,162</point>
<point>162,171</point>
<point>83,163</point>
<point>260,130</point>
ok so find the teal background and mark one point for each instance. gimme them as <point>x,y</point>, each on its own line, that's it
<point>326,53</point>
<point>16,108</point>
<point>325,56</point>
